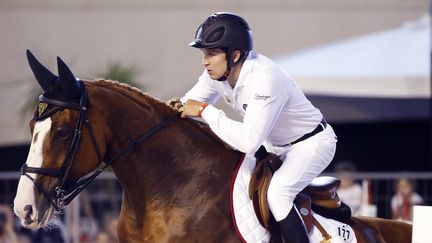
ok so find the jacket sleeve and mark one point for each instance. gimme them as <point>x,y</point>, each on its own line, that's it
<point>204,90</point>
<point>265,104</point>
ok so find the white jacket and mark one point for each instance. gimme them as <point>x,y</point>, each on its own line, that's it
<point>271,104</point>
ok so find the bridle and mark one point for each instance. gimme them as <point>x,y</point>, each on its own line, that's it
<point>63,195</point>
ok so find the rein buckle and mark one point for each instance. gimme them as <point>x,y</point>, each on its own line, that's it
<point>60,198</point>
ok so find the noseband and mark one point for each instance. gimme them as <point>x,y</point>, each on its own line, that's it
<point>62,196</point>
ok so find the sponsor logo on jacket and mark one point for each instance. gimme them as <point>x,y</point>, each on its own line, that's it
<point>261,97</point>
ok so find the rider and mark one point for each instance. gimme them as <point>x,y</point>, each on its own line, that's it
<point>274,111</point>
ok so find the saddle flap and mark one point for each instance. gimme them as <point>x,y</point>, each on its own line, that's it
<point>304,206</point>
<point>258,186</point>
<point>321,192</point>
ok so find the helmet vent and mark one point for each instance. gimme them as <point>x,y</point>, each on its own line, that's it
<point>216,35</point>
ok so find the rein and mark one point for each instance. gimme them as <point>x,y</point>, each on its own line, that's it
<point>63,196</point>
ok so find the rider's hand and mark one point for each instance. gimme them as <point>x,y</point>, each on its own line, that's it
<point>174,103</point>
<point>191,108</point>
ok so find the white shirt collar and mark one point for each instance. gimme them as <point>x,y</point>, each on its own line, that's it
<point>246,68</point>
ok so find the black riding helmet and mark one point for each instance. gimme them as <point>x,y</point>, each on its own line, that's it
<point>228,32</point>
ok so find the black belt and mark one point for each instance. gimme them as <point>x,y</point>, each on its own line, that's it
<point>321,126</point>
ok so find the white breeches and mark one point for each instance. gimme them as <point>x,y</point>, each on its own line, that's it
<point>302,162</point>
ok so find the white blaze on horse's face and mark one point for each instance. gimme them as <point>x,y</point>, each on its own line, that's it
<point>25,205</point>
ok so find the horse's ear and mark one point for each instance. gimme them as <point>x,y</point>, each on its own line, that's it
<point>44,76</point>
<point>71,87</point>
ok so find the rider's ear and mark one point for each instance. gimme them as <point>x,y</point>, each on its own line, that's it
<point>71,87</point>
<point>236,56</point>
<point>44,77</point>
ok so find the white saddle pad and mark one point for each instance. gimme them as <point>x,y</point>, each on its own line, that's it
<point>245,220</point>
<point>247,225</point>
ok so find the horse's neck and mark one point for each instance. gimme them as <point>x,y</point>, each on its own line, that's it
<point>177,166</point>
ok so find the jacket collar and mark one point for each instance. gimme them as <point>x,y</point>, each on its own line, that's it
<point>246,69</point>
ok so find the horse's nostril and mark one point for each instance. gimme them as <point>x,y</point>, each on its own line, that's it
<point>29,211</point>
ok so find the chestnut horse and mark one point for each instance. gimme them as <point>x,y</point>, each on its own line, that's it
<point>176,175</point>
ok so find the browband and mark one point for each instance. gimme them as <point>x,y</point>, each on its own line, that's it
<point>65,104</point>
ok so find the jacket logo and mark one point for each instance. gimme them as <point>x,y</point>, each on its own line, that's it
<point>227,99</point>
<point>261,97</point>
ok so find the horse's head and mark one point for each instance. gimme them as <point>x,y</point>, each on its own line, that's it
<point>59,142</point>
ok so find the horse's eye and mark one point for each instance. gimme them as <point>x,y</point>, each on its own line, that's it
<point>62,133</point>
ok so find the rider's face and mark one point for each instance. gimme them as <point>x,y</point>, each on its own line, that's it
<point>214,60</point>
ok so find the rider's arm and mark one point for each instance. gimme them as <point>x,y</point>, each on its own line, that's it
<point>204,90</point>
<point>266,101</point>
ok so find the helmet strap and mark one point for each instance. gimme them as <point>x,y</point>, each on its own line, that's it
<point>229,56</point>
<point>224,76</point>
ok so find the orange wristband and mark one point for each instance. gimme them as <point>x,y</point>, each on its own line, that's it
<point>201,109</point>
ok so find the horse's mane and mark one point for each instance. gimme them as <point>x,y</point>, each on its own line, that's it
<point>133,93</point>
<point>143,98</point>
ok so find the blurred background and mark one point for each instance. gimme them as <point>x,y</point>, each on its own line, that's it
<point>364,63</point>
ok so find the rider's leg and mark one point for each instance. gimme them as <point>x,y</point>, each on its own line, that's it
<point>303,162</point>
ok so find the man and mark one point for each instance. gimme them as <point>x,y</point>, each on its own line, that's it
<point>274,111</point>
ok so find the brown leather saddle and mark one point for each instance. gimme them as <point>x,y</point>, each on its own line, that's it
<point>320,193</point>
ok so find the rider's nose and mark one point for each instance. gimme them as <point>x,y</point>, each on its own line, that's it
<point>205,62</point>
<point>28,210</point>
